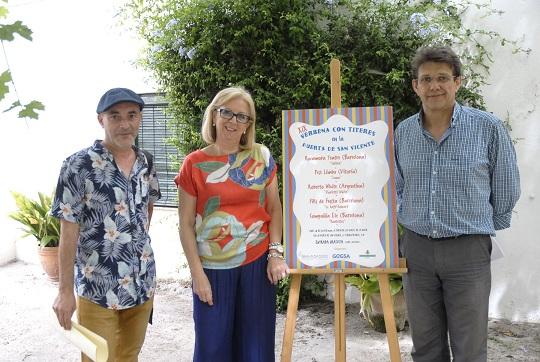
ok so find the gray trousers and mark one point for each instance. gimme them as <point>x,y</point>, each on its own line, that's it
<point>447,293</point>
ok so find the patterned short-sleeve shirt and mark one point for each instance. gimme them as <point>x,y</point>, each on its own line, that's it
<point>231,218</point>
<point>114,264</point>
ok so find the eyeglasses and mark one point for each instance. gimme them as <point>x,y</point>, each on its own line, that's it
<point>440,79</point>
<point>228,114</point>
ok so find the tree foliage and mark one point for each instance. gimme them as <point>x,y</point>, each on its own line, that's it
<point>7,34</point>
<point>280,51</point>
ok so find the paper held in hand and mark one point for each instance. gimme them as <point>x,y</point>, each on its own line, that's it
<point>91,344</point>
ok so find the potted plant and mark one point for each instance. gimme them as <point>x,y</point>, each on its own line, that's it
<point>37,221</point>
<point>370,299</point>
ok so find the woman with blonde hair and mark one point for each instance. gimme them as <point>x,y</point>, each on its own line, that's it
<point>230,229</point>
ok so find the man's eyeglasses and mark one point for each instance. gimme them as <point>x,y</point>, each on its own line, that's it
<point>228,114</point>
<point>440,79</point>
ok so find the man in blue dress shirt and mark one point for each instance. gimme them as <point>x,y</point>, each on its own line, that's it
<point>457,182</point>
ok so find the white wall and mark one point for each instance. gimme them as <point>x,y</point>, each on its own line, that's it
<point>515,88</point>
<point>75,57</point>
<point>78,52</point>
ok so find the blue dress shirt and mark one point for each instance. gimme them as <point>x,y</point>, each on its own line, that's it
<point>466,183</point>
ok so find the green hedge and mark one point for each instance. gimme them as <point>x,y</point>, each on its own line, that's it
<point>280,51</point>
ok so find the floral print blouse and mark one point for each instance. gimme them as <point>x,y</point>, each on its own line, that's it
<point>231,221</point>
<point>114,265</point>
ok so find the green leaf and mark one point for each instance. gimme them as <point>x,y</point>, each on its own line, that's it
<point>5,78</point>
<point>15,104</point>
<point>46,240</point>
<point>210,166</point>
<point>8,31</point>
<point>29,110</point>
<point>369,283</point>
<point>212,204</point>
<point>395,286</point>
<point>3,12</point>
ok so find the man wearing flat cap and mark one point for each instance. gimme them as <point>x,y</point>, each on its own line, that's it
<point>104,200</point>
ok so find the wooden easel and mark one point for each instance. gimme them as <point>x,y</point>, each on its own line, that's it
<point>339,281</point>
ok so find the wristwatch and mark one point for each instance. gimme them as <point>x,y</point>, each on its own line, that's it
<point>276,247</point>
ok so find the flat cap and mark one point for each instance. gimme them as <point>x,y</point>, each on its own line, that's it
<point>118,95</point>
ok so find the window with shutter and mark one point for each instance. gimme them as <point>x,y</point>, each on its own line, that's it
<point>153,137</point>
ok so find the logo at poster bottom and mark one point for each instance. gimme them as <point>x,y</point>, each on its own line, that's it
<point>341,256</point>
<point>314,256</point>
<point>367,254</point>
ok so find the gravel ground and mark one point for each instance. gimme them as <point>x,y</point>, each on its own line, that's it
<point>30,331</point>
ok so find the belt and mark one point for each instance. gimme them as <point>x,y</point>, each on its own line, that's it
<point>440,239</point>
<point>445,238</point>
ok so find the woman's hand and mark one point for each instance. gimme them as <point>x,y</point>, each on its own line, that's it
<point>201,287</point>
<point>276,269</point>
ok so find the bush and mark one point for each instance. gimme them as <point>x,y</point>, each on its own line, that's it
<point>280,51</point>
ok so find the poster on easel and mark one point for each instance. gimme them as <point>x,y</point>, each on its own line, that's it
<point>338,189</point>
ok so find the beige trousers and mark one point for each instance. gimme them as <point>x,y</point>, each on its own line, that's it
<point>124,330</point>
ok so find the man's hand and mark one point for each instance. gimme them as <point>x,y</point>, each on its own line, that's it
<point>64,306</point>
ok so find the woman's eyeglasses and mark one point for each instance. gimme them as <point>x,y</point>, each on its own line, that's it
<point>228,114</point>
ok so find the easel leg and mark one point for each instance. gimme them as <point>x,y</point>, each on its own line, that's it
<point>290,322</point>
<point>339,317</point>
<point>389,321</point>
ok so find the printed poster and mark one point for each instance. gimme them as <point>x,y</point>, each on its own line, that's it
<point>338,188</point>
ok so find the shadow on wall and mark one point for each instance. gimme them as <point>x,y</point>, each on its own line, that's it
<point>514,298</point>
<point>10,234</point>
<point>515,293</point>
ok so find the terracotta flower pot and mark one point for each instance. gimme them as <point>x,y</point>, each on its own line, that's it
<point>49,261</point>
